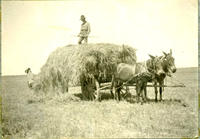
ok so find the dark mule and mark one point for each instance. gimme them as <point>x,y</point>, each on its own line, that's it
<point>167,66</point>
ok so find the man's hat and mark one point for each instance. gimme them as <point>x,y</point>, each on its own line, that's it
<point>82,16</point>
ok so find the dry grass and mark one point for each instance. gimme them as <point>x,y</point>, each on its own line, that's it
<point>74,62</point>
<point>29,115</point>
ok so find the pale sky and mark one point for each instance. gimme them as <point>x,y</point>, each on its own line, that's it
<point>31,30</point>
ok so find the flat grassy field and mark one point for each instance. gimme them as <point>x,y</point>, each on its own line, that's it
<point>29,115</point>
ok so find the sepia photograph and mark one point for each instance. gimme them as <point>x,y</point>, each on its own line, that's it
<point>99,69</point>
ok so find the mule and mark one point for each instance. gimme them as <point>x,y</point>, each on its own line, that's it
<point>167,64</point>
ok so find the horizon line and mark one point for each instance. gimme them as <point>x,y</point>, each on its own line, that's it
<point>38,73</point>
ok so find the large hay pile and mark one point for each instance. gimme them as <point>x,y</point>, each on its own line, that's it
<point>78,64</point>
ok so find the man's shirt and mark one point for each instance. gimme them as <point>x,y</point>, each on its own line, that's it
<point>85,30</point>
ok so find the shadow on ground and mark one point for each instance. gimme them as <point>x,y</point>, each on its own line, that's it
<point>124,97</point>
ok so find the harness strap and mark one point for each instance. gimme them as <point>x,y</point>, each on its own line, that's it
<point>135,76</point>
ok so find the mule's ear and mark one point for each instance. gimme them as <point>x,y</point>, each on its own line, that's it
<point>152,57</point>
<point>170,52</point>
<point>164,53</point>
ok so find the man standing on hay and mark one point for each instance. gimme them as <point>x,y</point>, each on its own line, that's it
<point>85,30</point>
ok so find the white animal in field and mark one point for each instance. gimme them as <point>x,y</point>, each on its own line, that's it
<point>30,77</point>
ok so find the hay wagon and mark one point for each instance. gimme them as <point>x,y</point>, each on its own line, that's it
<point>77,65</point>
